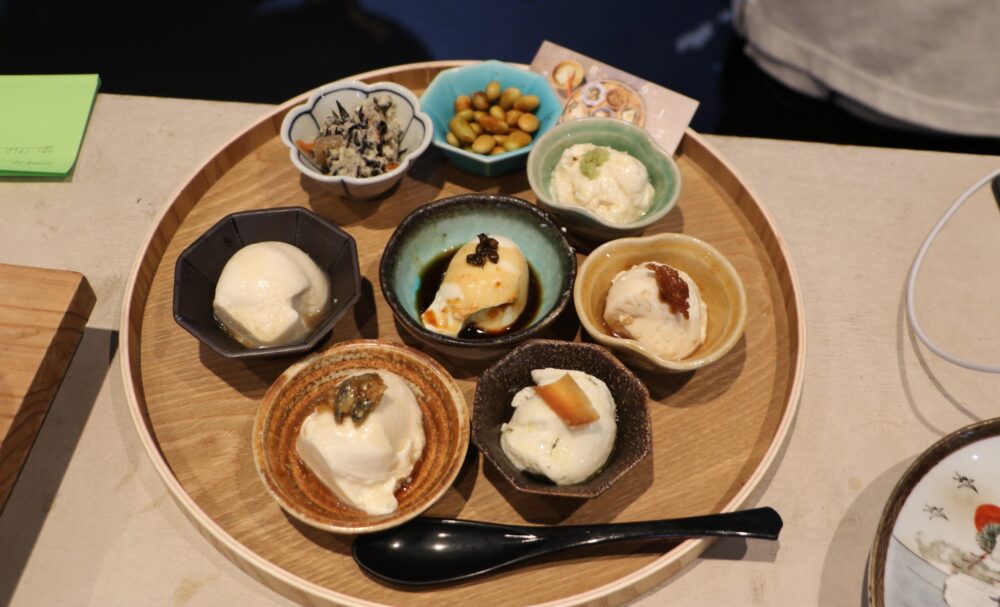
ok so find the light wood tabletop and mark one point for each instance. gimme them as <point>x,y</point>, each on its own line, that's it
<point>89,522</point>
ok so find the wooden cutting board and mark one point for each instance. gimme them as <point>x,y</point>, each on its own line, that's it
<point>42,317</point>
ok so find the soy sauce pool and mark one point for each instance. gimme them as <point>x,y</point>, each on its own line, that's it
<point>430,281</point>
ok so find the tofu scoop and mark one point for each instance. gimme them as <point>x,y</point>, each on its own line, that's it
<point>485,286</point>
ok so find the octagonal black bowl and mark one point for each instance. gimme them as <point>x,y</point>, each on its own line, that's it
<point>199,266</point>
<point>442,226</point>
<point>496,389</point>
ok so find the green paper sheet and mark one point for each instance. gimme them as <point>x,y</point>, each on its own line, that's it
<point>42,121</point>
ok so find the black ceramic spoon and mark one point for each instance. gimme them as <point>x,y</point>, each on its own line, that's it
<point>434,551</point>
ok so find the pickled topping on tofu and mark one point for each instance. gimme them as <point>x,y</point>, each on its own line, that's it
<point>592,160</point>
<point>568,401</point>
<point>538,439</point>
<point>607,182</point>
<point>473,293</point>
<point>364,465</point>
<point>673,290</point>
<point>658,306</point>
<point>485,250</point>
<point>357,396</point>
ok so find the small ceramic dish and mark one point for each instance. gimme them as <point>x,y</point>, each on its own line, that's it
<point>499,383</point>
<point>439,101</point>
<point>664,174</point>
<point>433,229</point>
<point>720,286</point>
<point>303,123</point>
<point>199,266</point>
<point>936,543</point>
<point>292,398</point>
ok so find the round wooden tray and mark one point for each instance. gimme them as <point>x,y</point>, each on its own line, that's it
<point>716,432</point>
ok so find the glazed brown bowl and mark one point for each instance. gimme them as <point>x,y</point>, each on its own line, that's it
<point>293,396</point>
<point>720,286</point>
<point>505,378</point>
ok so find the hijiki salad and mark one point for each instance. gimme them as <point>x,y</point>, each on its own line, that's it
<point>359,143</point>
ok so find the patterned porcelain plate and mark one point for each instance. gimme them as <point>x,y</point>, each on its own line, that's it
<point>936,544</point>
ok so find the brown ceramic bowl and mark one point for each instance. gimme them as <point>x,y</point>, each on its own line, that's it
<point>291,398</point>
<point>717,280</point>
<point>499,383</point>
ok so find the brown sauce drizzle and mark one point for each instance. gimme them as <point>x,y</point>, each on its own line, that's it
<point>673,290</point>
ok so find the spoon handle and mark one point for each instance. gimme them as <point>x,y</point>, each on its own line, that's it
<point>763,523</point>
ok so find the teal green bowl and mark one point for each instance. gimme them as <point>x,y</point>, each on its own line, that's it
<point>447,224</point>
<point>438,101</point>
<point>616,134</point>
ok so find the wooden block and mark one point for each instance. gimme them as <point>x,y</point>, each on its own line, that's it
<point>42,317</point>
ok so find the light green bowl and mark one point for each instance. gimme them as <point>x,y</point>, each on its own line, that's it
<point>613,133</point>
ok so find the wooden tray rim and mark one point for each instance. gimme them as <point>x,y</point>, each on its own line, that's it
<point>306,592</point>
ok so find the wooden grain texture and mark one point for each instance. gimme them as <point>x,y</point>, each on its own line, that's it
<point>42,317</point>
<point>716,431</point>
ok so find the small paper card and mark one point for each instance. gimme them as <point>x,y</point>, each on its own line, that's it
<point>591,88</point>
<point>42,121</point>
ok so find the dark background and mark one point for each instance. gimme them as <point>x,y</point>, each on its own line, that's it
<point>271,50</point>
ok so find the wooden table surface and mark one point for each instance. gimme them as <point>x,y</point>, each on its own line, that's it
<point>90,523</point>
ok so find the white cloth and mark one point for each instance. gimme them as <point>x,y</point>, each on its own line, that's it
<point>925,63</point>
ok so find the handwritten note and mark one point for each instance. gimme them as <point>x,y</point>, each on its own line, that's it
<point>591,88</point>
<point>42,122</point>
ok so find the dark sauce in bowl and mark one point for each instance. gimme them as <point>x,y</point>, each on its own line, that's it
<point>430,281</point>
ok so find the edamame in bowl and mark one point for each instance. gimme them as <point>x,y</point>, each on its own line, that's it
<point>595,144</point>
<point>477,142</point>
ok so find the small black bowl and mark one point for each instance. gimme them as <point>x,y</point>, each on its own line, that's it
<point>199,266</point>
<point>496,389</point>
<point>446,224</point>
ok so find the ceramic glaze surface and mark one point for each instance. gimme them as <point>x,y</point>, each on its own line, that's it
<point>198,269</point>
<point>439,102</point>
<point>619,135</point>
<point>447,224</point>
<point>505,378</point>
<point>309,382</point>
<point>454,227</point>
<point>943,549</point>
<point>720,285</point>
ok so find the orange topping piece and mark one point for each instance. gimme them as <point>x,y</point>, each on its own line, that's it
<point>568,401</point>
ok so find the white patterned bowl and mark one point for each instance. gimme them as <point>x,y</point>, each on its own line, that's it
<point>302,123</point>
<point>937,543</point>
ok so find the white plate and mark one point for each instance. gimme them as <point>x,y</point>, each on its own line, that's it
<point>936,544</point>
